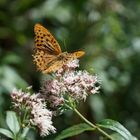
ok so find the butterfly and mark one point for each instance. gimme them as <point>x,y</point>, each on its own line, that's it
<point>48,56</point>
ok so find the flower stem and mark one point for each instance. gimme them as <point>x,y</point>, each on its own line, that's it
<point>92,125</point>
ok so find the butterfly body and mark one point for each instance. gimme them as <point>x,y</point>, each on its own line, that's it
<point>48,55</point>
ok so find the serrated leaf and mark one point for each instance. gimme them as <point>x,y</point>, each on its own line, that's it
<point>74,130</point>
<point>117,127</point>
<point>7,133</point>
<point>12,122</point>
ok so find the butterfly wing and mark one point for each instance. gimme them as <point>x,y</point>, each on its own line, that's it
<point>47,54</point>
<point>42,59</point>
<point>77,54</point>
<point>54,66</point>
<point>61,60</point>
<point>45,40</point>
<point>50,63</point>
<point>46,48</point>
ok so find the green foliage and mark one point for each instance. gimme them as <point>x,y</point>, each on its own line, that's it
<point>12,122</point>
<point>121,132</point>
<point>74,130</point>
<point>107,30</point>
<point>7,133</point>
<point>116,126</point>
<point>14,131</point>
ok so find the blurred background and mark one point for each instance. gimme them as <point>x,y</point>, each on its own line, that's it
<point>107,30</point>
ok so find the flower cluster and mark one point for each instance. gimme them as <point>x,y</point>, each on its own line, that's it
<point>69,82</point>
<point>35,107</point>
<point>62,91</point>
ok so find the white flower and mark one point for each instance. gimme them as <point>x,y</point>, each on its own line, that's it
<point>38,114</point>
<point>73,64</point>
<point>69,82</point>
<point>42,118</point>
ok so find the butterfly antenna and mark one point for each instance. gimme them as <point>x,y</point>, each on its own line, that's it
<point>65,44</point>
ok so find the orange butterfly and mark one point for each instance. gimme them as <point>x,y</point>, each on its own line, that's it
<point>48,55</point>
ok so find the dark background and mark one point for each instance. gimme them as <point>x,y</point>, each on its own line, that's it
<point>107,30</point>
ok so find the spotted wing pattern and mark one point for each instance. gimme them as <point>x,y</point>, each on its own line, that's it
<point>47,53</point>
<point>45,40</point>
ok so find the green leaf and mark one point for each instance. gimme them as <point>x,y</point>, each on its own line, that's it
<point>117,136</point>
<point>12,122</point>
<point>10,79</point>
<point>7,133</point>
<point>24,133</point>
<point>117,127</point>
<point>74,130</point>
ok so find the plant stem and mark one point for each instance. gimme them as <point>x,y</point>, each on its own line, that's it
<point>91,124</point>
